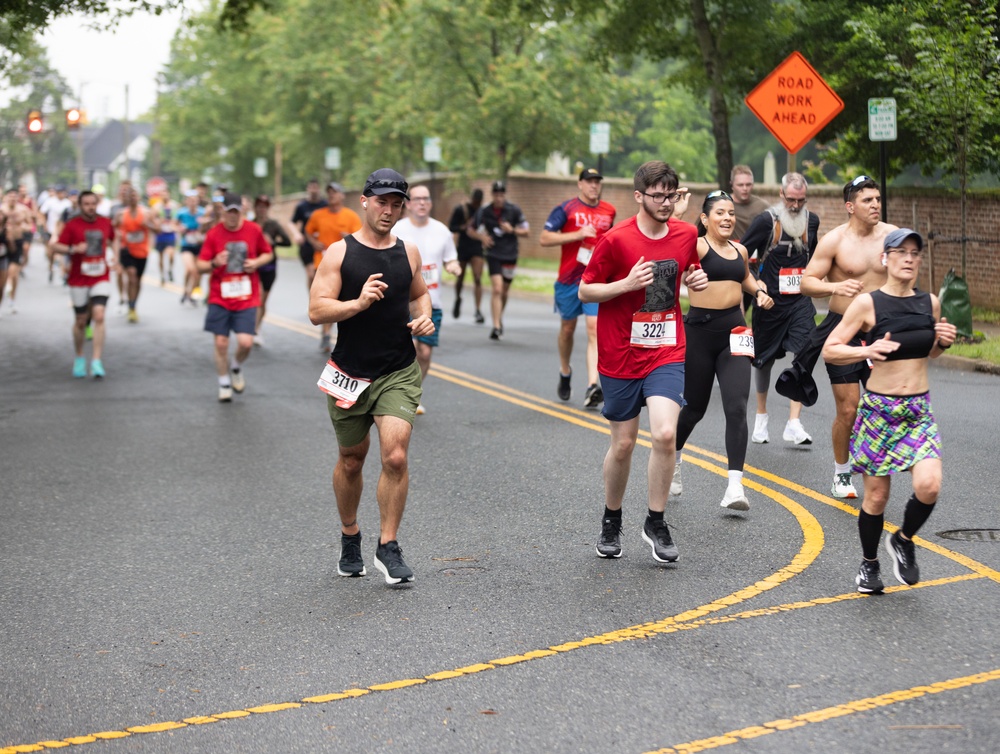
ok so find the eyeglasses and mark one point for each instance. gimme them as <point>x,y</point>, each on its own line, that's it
<point>795,202</point>
<point>661,198</point>
<point>904,253</point>
<point>420,198</point>
<point>718,193</point>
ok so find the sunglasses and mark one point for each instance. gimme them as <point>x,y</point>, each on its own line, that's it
<point>718,193</point>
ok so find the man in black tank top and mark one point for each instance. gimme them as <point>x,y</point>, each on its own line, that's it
<point>370,284</point>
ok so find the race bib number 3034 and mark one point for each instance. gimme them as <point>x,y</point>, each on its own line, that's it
<point>654,329</point>
<point>790,280</point>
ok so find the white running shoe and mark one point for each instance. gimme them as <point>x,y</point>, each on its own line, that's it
<point>795,432</point>
<point>258,341</point>
<point>421,410</point>
<point>238,380</point>
<point>759,435</point>
<point>676,485</point>
<point>843,487</point>
<point>735,499</point>
<point>225,393</point>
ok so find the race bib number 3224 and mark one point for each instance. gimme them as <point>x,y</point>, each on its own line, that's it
<point>654,329</point>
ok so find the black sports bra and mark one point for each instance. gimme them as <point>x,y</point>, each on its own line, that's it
<point>717,267</point>
<point>909,320</point>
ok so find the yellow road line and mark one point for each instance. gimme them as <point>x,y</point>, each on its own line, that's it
<point>830,713</point>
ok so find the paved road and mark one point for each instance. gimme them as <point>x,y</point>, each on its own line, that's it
<point>169,566</point>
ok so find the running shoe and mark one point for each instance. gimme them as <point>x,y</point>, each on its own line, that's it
<point>225,393</point>
<point>610,543</point>
<point>351,563</point>
<point>593,397</point>
<point>325,344</point>
<point>133,317</point>
<point>456,310</point>
<point>196,292</point>
<point>258,341</point>
<point>239,381</point>
<point>676,485</point>
<point>79,367</point>
<point>843,487</point>
<point>480,319</point>
<point>795,432</point>
<point>421,410</point>
<point>869,578</point>
<point>12,308</point>
<point>656,533</point>
<point>389,560</point>
<point>759,435</point>
<point>563,390</point>
<point>97,369</point>
<point>735,499</point>
<point>904,559</point>
<point>122,309</point>
<point>495,333</point>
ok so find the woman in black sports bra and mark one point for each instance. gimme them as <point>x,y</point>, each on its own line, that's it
<point>895,430</point>
<point>719,344</point>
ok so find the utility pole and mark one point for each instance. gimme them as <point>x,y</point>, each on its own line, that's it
<point>125,135</point>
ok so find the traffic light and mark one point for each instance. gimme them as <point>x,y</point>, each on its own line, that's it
<point>35,123</point>
<point>74,116</point>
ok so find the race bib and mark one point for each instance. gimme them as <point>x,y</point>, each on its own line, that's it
<point>432,275</point>
<point>191,239</point>
<point>654,329</point>
<point>345,389</point>
<point>741,342</point>
<point>790,280</point>
<point>236,287</point>
<point>507,271</point>
<point>584,254</point>
<point>93,268</point>
<point>136,236</point>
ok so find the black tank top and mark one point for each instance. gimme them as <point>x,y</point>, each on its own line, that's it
<point>377,341</point>
<point>717,267</point>
<point>909,320</point>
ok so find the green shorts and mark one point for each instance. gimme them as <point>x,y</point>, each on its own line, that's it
<point>395,394</point>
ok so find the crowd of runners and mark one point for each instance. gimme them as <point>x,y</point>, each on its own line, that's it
<point>377,275</point>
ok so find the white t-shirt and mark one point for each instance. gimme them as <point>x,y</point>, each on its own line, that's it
<point>436,245</point>
<point>53,209</point>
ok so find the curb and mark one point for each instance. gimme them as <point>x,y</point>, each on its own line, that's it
<point>965,364</point>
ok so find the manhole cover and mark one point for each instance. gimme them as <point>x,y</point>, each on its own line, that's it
<point>971,535</point>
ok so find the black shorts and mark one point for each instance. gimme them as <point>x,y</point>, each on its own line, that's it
<point>780,331</point>
<point>267,278</point>
<point>503,267</point>
<point>15,252</point>
<point>127,260</point>
<point>465,254</point>
<point>196,250</point>
<point>842,374</point>
<point>306,254</point>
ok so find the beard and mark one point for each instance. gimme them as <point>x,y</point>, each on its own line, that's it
<point>794,225</point>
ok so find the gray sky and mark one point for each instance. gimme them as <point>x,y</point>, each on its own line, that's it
<point>104,62</point>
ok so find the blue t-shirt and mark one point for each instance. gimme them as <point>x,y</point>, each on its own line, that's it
<point>191,237</point>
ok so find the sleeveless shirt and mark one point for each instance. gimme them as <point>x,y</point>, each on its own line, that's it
<point>717,267</point>
<point>909,320</point>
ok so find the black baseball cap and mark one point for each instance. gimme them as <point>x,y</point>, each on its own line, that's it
<point>335,186</point>
<point>589,174</point>
<point>232,201</point>
<point>499,187</point>
<point>386,181</point>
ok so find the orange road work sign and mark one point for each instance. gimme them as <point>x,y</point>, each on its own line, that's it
<point>794,102</point>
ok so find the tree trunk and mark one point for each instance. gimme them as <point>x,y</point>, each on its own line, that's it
<point>718,108</point>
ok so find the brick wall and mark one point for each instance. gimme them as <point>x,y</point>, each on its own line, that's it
<point>925,211</point>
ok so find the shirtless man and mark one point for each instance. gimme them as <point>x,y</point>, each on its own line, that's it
<point>847,262</point>
<point>16,224</point>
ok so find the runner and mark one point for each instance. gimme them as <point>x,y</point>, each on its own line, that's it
<point>325,227</point>
<point>233,252</point>
<point>895,430</point>
<point>52,210</point>
<point>166,238</point>
<point>190,218</point>
<point>576,225</point>
<point>85,238</point>
<point>635,275</point>
<point>499,225</point>
<point>719,344</point>
<point>303,211</point>
<point>28,202</point>
<point>437,251</point>
<point>16,229</point>
<point>134,226</point>
<point>470,252</point>
<point>276,236</point>
<point>370,285</point>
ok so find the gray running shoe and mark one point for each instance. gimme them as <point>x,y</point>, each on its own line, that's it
<point>904,559</point>
<point>657,536</point>
<point>351,563</point>
<point>389,560</point>
<point>610,543</point>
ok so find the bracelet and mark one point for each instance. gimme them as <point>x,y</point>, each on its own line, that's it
<point>942,347</point>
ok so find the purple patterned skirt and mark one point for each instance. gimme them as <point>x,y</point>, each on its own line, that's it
<point>893,433</point>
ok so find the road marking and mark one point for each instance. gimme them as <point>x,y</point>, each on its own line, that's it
<point>830,713</point>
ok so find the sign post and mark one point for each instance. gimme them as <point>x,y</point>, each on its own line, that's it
<point>600,142</point>
<point>882,128</point>
<point>432,153</point>
<point>794,103</point>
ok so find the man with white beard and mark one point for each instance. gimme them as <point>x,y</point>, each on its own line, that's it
<point>784,238</point>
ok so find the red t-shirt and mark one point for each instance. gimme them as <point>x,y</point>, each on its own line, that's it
<point>614,257</point>
<point>229,286</point>
<point>569,217</point>
<point>91,267</point>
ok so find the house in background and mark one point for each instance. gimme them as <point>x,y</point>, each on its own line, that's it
<point>108,160</point>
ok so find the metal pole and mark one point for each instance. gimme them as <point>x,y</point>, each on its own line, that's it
<point>277,170</point>
<point>881,170</point>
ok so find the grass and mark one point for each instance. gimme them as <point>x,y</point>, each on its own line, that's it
<point>987,350</point>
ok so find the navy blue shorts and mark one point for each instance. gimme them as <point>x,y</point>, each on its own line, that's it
<point>568,302</point>
<point>221,321</point>
<point>432,340</point>
<point>624,399</point>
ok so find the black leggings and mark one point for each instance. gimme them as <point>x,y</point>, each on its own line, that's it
<point>708,357</point>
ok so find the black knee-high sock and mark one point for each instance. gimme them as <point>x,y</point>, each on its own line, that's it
<point>870,531</point>
<point>608,513</point>
<point>915,515</point>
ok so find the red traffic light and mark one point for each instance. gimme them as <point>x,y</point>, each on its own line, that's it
<point>74,117</point>
<point>35,122</point>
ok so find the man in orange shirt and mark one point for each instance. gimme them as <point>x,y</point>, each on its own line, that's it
<point>326,227</point>
<point>134,224</point>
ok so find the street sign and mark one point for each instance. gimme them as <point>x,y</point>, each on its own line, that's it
<point>156,186</point>
<point>331,158</point>
<point>600,138</point>
<point>882,119</point>
<point>260,167</point>
<point>432,149</point>
<point>794,102</point>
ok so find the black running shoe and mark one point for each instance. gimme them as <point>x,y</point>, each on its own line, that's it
<point>593,397</point>
<point>389,560</point>
<point>610,543</point>
<point>479,317</point>
<point>456,310</point>
<point>657,535</point>
<point>351,563</point>
<point>564,391</point>
<point>904,559</point>
<point>869,578</point>
<point>495,333</point>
